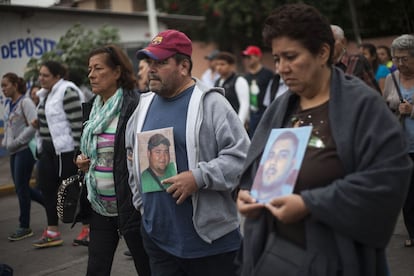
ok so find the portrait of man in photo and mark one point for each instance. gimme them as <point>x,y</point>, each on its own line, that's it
<point>160,165</point>
<point>278,169</point>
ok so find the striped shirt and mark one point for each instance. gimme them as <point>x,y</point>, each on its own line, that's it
<point>73,108</point>
<point>105,185</point>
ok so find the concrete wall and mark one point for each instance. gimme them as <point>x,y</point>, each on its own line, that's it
<point>121,5</point>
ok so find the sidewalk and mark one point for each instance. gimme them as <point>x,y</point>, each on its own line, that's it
<point>6,181</point>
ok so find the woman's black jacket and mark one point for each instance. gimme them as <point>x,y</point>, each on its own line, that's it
<point>128,217</point>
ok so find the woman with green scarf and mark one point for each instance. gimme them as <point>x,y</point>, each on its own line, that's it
<point>103,159</point>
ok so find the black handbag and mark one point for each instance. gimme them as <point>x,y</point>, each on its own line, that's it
<point>68,197</point>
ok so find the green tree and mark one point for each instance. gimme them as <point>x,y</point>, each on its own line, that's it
<point>72,50</point>
<point>234,24</point>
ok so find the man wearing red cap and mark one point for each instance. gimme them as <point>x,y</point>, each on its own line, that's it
<point>258,77</point>
<point>191,228</point>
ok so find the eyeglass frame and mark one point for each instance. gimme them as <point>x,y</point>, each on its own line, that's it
<point>402,59</point>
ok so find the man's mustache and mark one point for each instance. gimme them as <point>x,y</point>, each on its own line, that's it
<point>153,77</point>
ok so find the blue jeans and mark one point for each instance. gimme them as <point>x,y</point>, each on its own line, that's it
<point>21,165</point>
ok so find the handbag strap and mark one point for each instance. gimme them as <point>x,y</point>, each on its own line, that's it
<point>394,79</point>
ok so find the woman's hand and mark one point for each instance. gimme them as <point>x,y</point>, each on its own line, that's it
<point>83,162</point>
<point>288,209</point>
<point>35,123</point>
<point>405,108</point>
<point>247,205</point>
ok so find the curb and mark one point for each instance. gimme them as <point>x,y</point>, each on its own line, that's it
<point>6,190</point>
<point>9,189</point>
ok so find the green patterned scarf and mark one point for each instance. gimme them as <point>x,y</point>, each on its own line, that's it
<point>99,119</point>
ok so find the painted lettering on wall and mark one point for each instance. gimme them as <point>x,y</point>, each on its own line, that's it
<point>26,47</point>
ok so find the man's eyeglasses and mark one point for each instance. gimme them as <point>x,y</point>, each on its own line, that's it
<point>403,59</point>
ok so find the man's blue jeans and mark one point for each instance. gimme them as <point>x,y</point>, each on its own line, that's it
<point>21,165</point>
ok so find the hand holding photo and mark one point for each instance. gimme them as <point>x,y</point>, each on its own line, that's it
<point>156,158</point>
<point>280,163</point>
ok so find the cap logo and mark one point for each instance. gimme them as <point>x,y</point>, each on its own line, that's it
<point>157,40</point>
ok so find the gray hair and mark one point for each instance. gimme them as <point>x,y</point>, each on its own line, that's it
<point>403,42</point>
<point>338,32</point>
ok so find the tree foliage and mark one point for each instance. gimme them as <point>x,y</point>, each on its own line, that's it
<point>234,24</point>
<point>72,50</point>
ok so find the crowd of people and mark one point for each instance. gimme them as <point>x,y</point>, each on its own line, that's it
<point>335,218</point>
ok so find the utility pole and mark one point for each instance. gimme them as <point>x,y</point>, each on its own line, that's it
<point>152,18</point>
<point>354,20</point>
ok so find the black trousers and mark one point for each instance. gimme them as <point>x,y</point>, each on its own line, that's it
<point>164,264</point>
<point>408,208</point>
<point>104,238</point>
<point>52,169</point>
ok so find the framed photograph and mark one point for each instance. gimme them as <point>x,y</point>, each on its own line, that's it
<point>280,163</point>
<point>157,159</point>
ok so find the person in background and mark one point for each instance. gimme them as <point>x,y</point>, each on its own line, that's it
<point>258,78</point>
<point>275,89</point>
<point>356,65</point>
<point>142,76</point>
<point>19,111</point>
<point>59,125</point>
<point>369,51</point>
<point>33,93</point>
<point>77,78</point>
<point>351,184</point>
<point>210,76</point>
<point>103,159</point>
<point>384,56</point>
<point>402,50</point>
<point>192,228</point>
<point>236,88</point>
<point>34,90</point>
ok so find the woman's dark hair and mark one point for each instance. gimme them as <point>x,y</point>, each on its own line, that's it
<point>373,52</point>
<point>387,50</point>
<point>55,68</point>
<point>117,57</point>
<point>18,81</point>
<point>300,22</point>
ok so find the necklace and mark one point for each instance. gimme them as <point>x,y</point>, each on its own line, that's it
<point>316,117</point>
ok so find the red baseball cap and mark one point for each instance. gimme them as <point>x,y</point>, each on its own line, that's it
<point>167,44</point>
<point>252,51</point>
